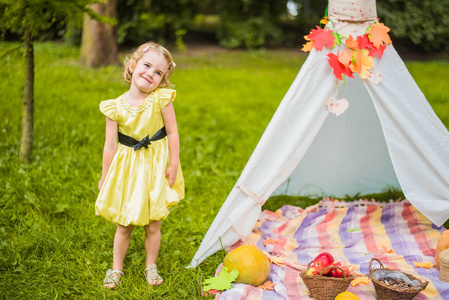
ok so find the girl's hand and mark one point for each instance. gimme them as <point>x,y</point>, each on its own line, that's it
<point>171,173</point>
<point>100,183</point>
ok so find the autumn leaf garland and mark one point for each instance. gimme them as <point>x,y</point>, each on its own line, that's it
<point>358,57</point>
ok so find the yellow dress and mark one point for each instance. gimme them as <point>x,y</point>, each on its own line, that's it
<point>135,190</point>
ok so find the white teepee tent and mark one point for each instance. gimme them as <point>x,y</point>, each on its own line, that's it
<point>389,136</point>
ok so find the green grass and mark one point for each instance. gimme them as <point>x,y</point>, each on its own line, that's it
<point>52,246</point>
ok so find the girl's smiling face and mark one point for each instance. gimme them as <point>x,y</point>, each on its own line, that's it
<point>149,72</point>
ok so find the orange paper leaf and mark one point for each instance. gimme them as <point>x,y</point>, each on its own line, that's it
<point>345,57</point>
<point>386,250</point>
<point>350,43</point>
<point>307,47</point>
<point>360,280</point>
<point>362,63</point>
<point>379,35</point>
<point>426,265</point>
<point>269,241</point>
<point>324,20</point>
<point>267,285</point>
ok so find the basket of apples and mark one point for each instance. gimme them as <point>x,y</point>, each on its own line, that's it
<point>326,278</point>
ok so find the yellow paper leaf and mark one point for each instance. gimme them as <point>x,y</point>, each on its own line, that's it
<point>277,260</point>
<point>426,265</point>
<point>307,46</point>
<point>324,20</point>
<point>360,280</point>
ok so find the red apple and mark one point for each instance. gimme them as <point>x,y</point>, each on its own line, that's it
<point>337,272</point>
<point>322,261</point>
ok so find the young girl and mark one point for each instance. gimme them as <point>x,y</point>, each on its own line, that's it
<point>141,176</point>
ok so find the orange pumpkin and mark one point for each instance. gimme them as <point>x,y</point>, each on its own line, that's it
<point>253,265</point>
<point>346,296</point>
<point>443,244</point>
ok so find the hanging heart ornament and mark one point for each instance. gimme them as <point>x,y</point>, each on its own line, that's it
<point>375,76</point>
<point>337,107</point>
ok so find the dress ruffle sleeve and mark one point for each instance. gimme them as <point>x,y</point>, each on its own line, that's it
<point>165,95</point>
<point>109,109</point>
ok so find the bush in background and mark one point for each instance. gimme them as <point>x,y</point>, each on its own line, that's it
<point>423,23</point>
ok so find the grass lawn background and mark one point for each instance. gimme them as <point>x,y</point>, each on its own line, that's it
<point>52,246</point>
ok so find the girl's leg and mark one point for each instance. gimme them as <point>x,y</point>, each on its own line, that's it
<point>152,245</point>
<point>121,245</point>
<point>152,241</point>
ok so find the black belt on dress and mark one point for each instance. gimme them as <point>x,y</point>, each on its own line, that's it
<point>132,142</point>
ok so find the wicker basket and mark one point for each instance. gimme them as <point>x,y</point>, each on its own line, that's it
<point>388,292</point>
<point>325,288</point>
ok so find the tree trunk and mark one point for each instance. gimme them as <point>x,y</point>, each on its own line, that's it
<point>26,145</point>
<point>99,40</point>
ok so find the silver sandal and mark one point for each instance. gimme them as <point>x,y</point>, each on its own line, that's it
<point>111,279</point>
<point>152,276</point>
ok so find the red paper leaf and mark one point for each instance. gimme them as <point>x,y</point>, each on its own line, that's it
<point>339,68</point>
<point>379,52</point>
<point>364,42</point>
<point>322,38</point>
<point>379,35</point>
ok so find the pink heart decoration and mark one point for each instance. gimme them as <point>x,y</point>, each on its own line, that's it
<point>337,107</point>
<point>375,76</point>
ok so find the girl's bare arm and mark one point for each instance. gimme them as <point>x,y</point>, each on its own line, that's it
<point>168,113</point>
<point>110,147</point>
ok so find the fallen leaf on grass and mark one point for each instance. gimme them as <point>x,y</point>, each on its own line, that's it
<point>360,280</point>
<point>426,265</point>
<point>267,285</point>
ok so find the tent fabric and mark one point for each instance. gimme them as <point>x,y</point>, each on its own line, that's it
<point>389,136</point>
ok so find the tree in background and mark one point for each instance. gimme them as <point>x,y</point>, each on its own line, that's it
<point>162,21</point>
<point>29,19</point>
<point>99,39</point>
<point>250,23</point>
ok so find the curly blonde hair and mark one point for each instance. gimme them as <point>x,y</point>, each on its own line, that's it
<point>131,61</point>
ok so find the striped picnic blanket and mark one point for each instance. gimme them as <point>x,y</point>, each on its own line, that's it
<point>354,232</point>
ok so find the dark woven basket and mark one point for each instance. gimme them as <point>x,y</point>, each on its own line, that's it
<point>388,292</point>
<point>325,288</point>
